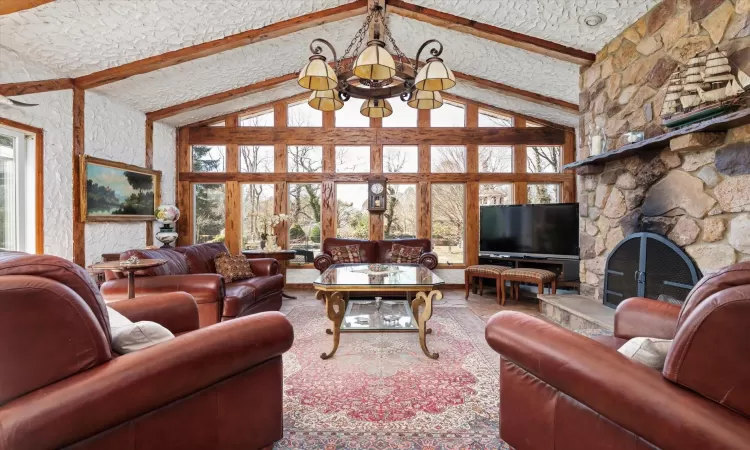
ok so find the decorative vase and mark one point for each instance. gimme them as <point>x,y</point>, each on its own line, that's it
<point>166,235</point>
<point>167,215</point>
<point>597,142</point>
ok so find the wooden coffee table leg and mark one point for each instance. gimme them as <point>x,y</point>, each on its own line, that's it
<point>335,310</point>
<point>425,299</point>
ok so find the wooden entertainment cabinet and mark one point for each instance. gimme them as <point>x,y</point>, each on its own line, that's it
<point>567,270</point>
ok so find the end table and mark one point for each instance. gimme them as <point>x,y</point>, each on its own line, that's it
<point>282,256</point>
<point>129,269</point>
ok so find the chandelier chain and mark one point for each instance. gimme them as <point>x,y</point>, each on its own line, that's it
<point>355,43</point>
<point>402,59</point>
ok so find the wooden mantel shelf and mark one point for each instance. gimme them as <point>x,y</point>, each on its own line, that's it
<point>721,123</point>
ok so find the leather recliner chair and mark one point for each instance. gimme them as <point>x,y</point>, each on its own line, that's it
<point>62,386</point>
<point>560,390</point>
<point>192,269</point>
<point>375,251</point>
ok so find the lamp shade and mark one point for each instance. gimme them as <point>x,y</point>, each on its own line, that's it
<point>325,100</point>
<point>376,108</point>
<point>375,63</point>
<point>426,100</point>
<point>317,75</point>
<point>167,214</point>
<point>434,76</point>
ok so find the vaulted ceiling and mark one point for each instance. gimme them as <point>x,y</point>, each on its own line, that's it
<point>78,38</point>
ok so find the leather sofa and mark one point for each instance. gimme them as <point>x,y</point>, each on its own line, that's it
<point>560,390</point>
<point>375,251</point>
<point>192,269</point>
<point>61,385</point>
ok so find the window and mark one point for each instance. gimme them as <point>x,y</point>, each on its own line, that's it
<point>495,194</point>
<point>448,115</point>
<point>261,119</point>
<point>256,158</point>
<point>403,116</point>
<point>257,209</point>
<point>209,215</point>
<point>220,123</point>
<point>302,115</point>
<point>543,159</point>
<point>400,159</point>
<point>353,159</point>
<point>448,159</point>
<point>209,158</point>
<point>400,216</point>
<point>304,158</point>
<point>495,159</point>
<point>12,190</point>
<point>543,193</point>
<point>349,115</point>
<point>448,216</point>
<point>352,216</point>
<point>490,119</point>
<point>304,219</point>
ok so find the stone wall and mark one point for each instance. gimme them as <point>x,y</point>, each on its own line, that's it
<point>697,192</point>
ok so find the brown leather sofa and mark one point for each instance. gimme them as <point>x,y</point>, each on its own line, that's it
<point>376,251</point>
<point>61,386</point>
<point>560,390</point>
<point>192,269</point>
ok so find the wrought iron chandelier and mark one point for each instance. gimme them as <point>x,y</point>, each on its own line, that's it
<point>375,75</point>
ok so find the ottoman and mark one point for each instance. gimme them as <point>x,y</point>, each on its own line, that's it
<point>484,271</point>
<point>540,277</point>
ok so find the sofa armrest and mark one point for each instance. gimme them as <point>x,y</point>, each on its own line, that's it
<point>323,262</point>
<point>204,287</point>
<point>134,384</point>
<point>264,267</point>
<point>176,311</point>
<point>644,317</point>
<point>429,260</point>
<point>621,390</point>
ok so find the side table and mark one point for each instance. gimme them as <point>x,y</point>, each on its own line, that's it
<point>129,269</point>
<point>282,256</point>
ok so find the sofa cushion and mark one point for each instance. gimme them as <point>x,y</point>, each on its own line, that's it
<point>200,258</point>
<point>346,254</point>
<point>385,246</point>
<point>176,262</point>
<point>233,268</point>
<point>649,351</point>
<point>242,295</point>
<point>368,250</point>
<point>402,254</point>
<point>129,337</point>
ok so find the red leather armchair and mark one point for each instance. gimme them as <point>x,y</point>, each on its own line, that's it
<point>192,269</point>
<point>61,385</point>
<point>560,390</point>
<point>376,251</point>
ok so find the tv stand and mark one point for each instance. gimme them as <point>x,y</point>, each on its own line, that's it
<point>567,270</point>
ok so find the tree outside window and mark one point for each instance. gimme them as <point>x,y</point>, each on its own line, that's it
<point>257,210</point>
<point>495,159</point>
<point>445,159</point>
<point>304,158</point>
<point>400,159</point>
<point>209,213</point>
<point>353,159</point>
<point>209,158</point>
<point>352,216</point>
<point>400,216</point>
<point>448,218</point>
<point>543,159</point>
<point>304,219</point>
<point>256,158</point>
<point>543,193</point>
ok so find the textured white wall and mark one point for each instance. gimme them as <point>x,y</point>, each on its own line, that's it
<point>55,116</point>
<point>165,159</point>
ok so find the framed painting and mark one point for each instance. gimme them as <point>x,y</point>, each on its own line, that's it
<point>117,192</point>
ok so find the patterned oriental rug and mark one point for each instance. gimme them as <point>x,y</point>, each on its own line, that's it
<point>381,392</point>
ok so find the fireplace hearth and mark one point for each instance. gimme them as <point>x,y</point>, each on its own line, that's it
<point>648,265</point>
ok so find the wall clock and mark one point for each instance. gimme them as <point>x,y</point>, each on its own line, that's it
<point>377,193</point>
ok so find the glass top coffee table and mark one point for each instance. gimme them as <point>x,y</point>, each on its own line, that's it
<point>339,280</point>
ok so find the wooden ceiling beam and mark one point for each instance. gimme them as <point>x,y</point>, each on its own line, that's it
<point>35,87</point>
<point>221,45</point>
<point>11,6</point>
<point>491,32</point>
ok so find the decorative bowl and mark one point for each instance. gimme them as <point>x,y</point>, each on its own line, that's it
<point>378,267</point>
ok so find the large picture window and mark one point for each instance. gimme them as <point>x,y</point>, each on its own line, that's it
<point>304,158</point>
<point>400,217</point>
<point>352,216</point>
<point>448,159</point>
<point>400,159</point>
<point>448,221</point>
<point>495,159</point>
<point>209,214</point>
<point>209,158</point>
<point>304,219</point>
<point>353,159</point>
<point>543,159</point>
<point>257,210</point>
<point>256,158</point>
<point>12,190</point>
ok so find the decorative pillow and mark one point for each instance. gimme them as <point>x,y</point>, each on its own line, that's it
<point>346,254</point>
<point>130,337</point>
<point>649,351</point>
<point>405,255</point>
<point>233,268</point>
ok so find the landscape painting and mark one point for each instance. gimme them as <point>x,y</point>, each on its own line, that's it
<point>113,191</point>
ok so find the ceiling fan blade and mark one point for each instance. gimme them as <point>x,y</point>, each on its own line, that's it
<point>17,103</point>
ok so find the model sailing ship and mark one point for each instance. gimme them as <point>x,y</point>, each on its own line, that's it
<point>707,87</point>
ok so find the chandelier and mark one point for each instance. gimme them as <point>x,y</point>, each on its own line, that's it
<point>375,75</point>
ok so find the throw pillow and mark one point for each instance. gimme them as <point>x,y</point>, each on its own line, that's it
<point>346,254</point>
<point>233,268</point>
<point>649,351</point>
<point>402,254</point>
<point>130,337</point>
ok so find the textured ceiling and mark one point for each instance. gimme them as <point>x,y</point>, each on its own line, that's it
<point>554,20</point>
<point>77,37</point>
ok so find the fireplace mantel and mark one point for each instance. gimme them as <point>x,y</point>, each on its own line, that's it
<point>721,123</point>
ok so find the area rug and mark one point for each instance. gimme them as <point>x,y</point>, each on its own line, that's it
<point>381,392</point>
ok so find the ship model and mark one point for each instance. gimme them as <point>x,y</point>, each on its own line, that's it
<point>708,87</point>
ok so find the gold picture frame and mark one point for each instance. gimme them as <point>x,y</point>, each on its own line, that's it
<point>116,189</point>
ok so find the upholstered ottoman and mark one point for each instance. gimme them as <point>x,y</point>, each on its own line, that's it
<point>540,277</point>
<point>484,271</point>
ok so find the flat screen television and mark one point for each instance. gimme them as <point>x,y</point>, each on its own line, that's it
<point>529,230</point>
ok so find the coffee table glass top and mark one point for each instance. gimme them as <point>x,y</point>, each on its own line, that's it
<point>378,315</point>
<point>380,275</point>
